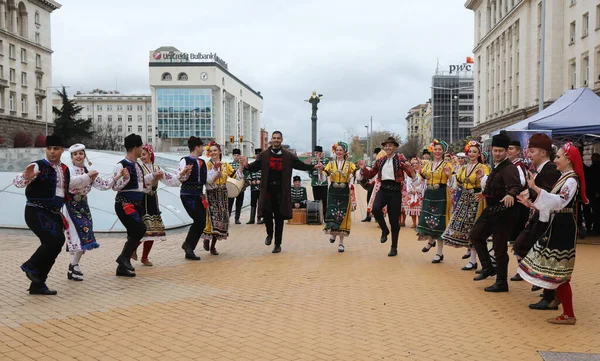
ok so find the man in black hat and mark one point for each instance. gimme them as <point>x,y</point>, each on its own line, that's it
<point>498,218</point>
<point>426,155</point>
<point>192,175</point>
<point>253,179</point>
<point>239,200</point>
<point>299,197</point>
<point>128,201</point>
<point>369,185</point>
<point>46,184</point>
<point>319,186</point>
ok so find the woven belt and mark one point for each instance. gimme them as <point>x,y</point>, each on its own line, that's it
<point>391,186</point>
<point>339,185</point>
<point>564,210</point>
<point>433,187</point>
<point>192,187</point>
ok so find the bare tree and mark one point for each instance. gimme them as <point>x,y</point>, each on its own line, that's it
<point>412,147</point>
<point>381,136</point>
<point>356,149</point>
<point>105,138</point>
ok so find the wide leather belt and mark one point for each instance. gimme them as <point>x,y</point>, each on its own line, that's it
<point>433,187</point>
<point>339,185</point>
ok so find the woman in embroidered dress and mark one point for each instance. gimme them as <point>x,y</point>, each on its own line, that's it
<point>79,233</point>
<point>339,203</point>
<point>437,205</point>
<point>412,198</point>
<point>217,214</point>
<point>468,208</point>
<point>549,264</point>
<point>155,228</point>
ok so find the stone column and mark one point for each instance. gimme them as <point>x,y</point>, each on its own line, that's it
<point>2,10</point>
<point>13,16</point>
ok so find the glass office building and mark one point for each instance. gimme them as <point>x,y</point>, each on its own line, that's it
<point>452,106</point>
<point>185,112</point>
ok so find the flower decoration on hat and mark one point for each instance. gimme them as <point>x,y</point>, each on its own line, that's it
<point>148,148</point>
<point>438,142</point>
<point>472,143</point>
<point>344,146</point>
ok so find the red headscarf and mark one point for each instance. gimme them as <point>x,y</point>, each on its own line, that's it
<point>148,148</point>
<point>572,153</point>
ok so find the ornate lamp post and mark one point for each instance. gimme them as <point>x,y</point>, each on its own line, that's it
<point>314,100</point>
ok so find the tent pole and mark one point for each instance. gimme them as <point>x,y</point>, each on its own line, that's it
<point>542,56</point>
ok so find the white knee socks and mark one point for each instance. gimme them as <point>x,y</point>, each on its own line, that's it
<point>76,257</point>
<point>440,247</point>
<point>473,259</point>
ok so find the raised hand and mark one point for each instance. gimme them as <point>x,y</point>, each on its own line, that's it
<point>524,200</point>
<point>30,172</point>
<point>319,166</point>
<point>530,180</point>
<point>218,165</point>
<point>479,173</point>
<point>93,174</point>
<point>159,175</point>
<point>361,164</point>
<point>447,171</point>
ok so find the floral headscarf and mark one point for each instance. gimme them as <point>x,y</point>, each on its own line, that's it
<point>344,146</point>
<point>438,142</point>
<point>148,148</point>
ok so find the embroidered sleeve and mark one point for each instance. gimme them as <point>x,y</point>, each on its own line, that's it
<point>182,177</point>
<point>121,183</point>
<point>211,176</point>
<point>21,182</point>
<point>554,202</point>
<point>104,184</point>
<point>79,181</point>
<point>170,180</point>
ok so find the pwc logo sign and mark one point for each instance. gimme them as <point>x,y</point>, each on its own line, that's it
<point>467,66</point>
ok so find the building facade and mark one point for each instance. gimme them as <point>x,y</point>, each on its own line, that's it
<point>25,65</point>
<point>507,51</point>
<point>452,106</point>
<point>203,99</point>
<point>418,123</point>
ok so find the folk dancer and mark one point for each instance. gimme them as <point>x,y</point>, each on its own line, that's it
<point>498,218</point>
<point>192,175</point>
<point>549,264</point>
<point>155,228</point>
<point>299,197</point>
<point>545,177</point>
<point>253,179</point>
<point>217,216</point>
<point>239,200</point>
<point>79,230</point>
<point>376,187</point>
<point>129,205</point>
<point>319,184</point>
<point>46,182</point>
<point>390,172</point>
<point>456,189</point>
<point>338,218</point>
<point>368,185</point>
<point>275,201</point>
<point>412,196</point>
<point>514,154</point>
<point>468,207</point>
<point>437,205</point>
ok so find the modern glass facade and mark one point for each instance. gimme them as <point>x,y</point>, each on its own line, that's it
<point>184,112</point>
<point>452,105</point>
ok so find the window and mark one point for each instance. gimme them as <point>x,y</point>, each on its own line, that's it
<point>182,76</point>
<point>129,127</point>
<point>119,128</point>
<point>12,76</point>
<point>140,118</point>
<point>23,55</point>
<point>129,108</point>
<point>37,18</point>
<point>99,118</point>
<point>585,21</point>
<point>149,129</point>
<point>1,47</point>
<point>38,107</point>
<point>573,30</point>
<point>148,108</point>
<point>109,118</point>
<point>99,108</point>
<point>38,81</point>
<point>109,108</point>
<point>119,118</point>
<point>38,61</point>
<point>2,98</point>
<point>11,51</point>
<point>89,108</point>
<point>11,101</point>
<point>37,38</point>
<point>597,17</point>
<point>149,139</point>
<point>129,118</point>
<point>585,70</point>
<point>166,77</point>
<point>140,129</point>
<point>1,71</point>
<point>24,103</point>
<point>573,73</point>
<point>23,78</point>
<point>119,108</point>
<point>140,108</point>
<point>149,118</point>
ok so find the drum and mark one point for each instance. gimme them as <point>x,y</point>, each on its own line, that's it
<point>298,216</point>
<point>234,187</point>
<point>314,212</point>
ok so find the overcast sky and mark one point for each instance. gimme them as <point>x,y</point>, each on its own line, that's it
<point>368,58</point>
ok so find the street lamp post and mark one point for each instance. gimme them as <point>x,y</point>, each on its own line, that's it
<point>46,110</point>
<point>451,90</point>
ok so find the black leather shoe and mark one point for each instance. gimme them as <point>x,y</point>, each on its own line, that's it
<point>250,221</point>
<point>478,272</point>
<point>45,291</point>
<point>276,249</point>
<point>122,271</point>
<point>485,273</point>
<point>542,305</point>
<point>470,267</point>
<point>32,275</point>
<point>237,221</point>
<point>189,253</point>
<point>467,255</point>
<point>438,258</point>
<point>516,278</point>
<point>260,221</point>
<point>384,236</point>
<point>393,252</point>
<point>73,275</point>
<point>428,247</point>
<point>124,261</point>
<point>268,240</point>
<point>367,219</point>
<point>497,287</point>
<point>535,288</point>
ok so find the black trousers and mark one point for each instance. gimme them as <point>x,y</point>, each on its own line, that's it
<point>135,228</point>
<point>393,201</point>
<point>499,223</point>
<point>48,227</point>
<point>195,209</point>
<point>239,201</point>
<point>272,212</point>
<point>254,198</point>
<point>320,194</point>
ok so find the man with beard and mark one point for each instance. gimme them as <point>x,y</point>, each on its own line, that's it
<point>498,219</point>
<point>275,200</point>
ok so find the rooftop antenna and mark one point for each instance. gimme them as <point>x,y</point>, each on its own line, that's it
<point>116,83</point>
<point>437,68</point>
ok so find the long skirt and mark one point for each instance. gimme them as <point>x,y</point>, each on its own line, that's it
<point>217,214</point>
<point>551,261</point>
<point>79,233</point>
<point>455,196</point>
<point>412,203</point>
<point>466,212</point>
<point>155,228</point>
<point>337,219</point>
<point>435,214</point>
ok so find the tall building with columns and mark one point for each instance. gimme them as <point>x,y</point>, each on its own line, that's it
<point>25,66</point>
<point>508,49</point>
<point>195,94</point>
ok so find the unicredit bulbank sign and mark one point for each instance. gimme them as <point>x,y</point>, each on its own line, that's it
<point>169,56</point>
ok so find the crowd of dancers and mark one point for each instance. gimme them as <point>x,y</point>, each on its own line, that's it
<point>458,201</point>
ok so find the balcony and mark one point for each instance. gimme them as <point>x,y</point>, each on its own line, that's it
<point>3,83</point>
<point>40,93</point>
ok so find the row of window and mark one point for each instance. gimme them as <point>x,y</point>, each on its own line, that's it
<point>12,54</point>
<point>24,107</point>
<point>585,24</point>
<point>168,77</point>
<point>109,118</point>
<point>12,77</point>
<point>140,129</point>
<point>20,27</point>
<point>119,107</point>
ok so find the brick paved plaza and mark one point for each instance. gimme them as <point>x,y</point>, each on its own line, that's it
<point>307,303</point>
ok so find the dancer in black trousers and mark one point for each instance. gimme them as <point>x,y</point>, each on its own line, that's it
<point>239,200</point>
<point>192,175</point>
<point>128,201</point>
<point>253,179</point>
<point>275,201</point>
<point>46,184</point>
<point>319,186</point>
